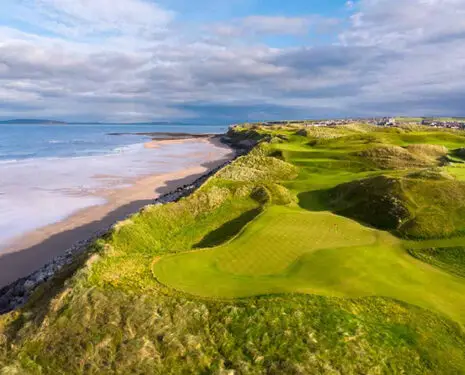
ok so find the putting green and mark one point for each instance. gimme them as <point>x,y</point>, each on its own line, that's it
<point>293,250</point>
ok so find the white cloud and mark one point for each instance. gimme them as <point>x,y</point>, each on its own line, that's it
<point>278,25</point>
<point>265,25</point>
<point>400,23</point>
<point>350,4</point>
<point>104,62</point>
<point>93,18</point>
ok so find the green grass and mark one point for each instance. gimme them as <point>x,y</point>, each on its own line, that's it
<point>291,250</point>
<point>228,230</point>
<point>409,119</point>
<point>451,259</point>
<point>107,331</point>
<point>422,204</point>
<point>395,157</point>
<point>273,267</point>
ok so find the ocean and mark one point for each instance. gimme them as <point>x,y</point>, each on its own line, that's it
<point>48,172</point>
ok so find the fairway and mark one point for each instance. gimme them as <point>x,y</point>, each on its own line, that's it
<point>294,249</point>
<point>289,250</point>
<point>332,250</point>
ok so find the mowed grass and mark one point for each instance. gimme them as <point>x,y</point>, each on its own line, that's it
<point>346,298</point>
<point>291,250</point>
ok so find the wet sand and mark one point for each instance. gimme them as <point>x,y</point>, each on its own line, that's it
<point>159,143</point>
<point>31,251</point>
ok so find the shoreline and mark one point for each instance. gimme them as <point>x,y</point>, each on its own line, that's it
<point>40,254</point>
<point>166,136</point>
<point>156,143</point>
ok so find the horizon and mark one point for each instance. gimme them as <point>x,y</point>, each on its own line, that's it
<point>136,61</point>
<point>32,121</point>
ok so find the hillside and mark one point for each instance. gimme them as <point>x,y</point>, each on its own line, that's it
<point>322,251</point>
<point>403,205</point>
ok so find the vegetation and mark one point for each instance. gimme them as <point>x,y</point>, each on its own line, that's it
<point>395,157</point>
<point>324,250</point>
<point>452,259</point>
<point>400,204</point>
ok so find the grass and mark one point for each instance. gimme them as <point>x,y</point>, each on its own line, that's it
<point>395,157</point>
<point>107,331</point>
<point>399,204</point>
<point>451,259</point>
<point>409,119</point>
<point>271,268</point>
<point>289,250</point>
<point>228,230</point>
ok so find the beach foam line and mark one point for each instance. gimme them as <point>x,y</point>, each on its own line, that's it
<point>32,249</point>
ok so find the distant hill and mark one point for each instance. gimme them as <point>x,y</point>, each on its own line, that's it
<point>30,121</point>
<point>53,122</point>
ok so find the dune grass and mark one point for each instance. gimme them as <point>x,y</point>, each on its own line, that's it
<point>254,273</point>
<point>279,252</point>
<point>422,204</point>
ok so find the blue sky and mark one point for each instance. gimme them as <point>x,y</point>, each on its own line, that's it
<point>228,61</point>
<point>215,10</point>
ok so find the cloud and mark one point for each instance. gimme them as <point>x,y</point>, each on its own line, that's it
<point>350,4</point>
<point>259,25</point>
<point>93,18</point>
<point>277,25</point>
<point>130,60</point>
<point>399,23</point>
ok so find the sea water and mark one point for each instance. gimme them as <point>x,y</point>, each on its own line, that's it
<point>48,172</point>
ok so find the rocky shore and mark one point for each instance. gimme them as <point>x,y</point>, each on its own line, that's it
<point>17,294</point>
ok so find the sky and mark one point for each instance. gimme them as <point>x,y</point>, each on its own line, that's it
<point>232,60</point>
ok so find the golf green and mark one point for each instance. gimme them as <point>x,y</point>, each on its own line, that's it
<point>289,250</point>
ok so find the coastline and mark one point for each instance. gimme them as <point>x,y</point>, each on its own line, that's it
<point>38,255</point>
<point>170,136</point>
<point>156,143</point>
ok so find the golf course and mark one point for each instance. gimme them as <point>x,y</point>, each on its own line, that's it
<point>302,248</point>
<point>322,250</point>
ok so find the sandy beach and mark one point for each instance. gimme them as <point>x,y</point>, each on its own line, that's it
<point>157,144</point>
<point>31,251</point>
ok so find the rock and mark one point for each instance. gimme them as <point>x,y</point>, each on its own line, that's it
<point>17,293</point>
<point>29,285</point>
<point>226,139</point>
<point>248,143</point>
<point>17,290</point>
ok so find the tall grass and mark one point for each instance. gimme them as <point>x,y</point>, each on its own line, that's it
<point>110,315</point>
